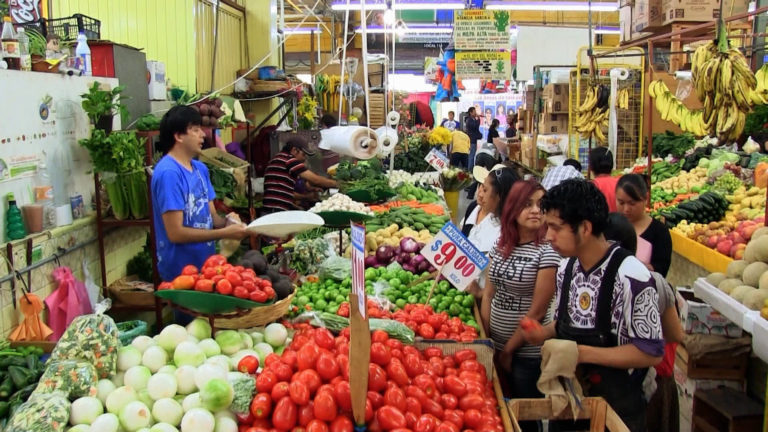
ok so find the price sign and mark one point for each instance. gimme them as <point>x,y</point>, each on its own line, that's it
<point>358,265</point>
<point>437,159</point>
<point>459,260</point>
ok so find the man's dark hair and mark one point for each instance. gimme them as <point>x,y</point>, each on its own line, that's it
<point>634,186</point>
<point>176,121</point>
<point>485,160</point>
<point>621,231</point>
<point>601,160</point>
<point>576,201</point>
<point>471,110</point>
<point>295,142</point>
<point>328,120</point>
<point>451,112</point>
<point>574,163</point>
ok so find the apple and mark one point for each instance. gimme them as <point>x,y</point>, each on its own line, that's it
<point>724,247</point>
<point>712,242</point>
<point>737,251</point>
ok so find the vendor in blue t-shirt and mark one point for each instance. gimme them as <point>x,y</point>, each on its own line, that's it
<point>186,223</point>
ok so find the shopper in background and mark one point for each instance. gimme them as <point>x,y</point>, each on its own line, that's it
<point>571,168</point>
<point>460,145</point>
<point>185,220</point>
<point>654,246</point>
<point>663,414</point>
<point>450,123</point>
<point>472,128</point>
<point>511,126</point>
<point>521,284</point>
<point>481,222</point>
<point>601,165</point>
<point>606,302</point>
<point>493,131</point>
<point>328,121</point>
<point>282,173</point>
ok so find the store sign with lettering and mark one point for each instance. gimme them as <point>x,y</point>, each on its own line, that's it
<point>25,11</point>
<point>483,65</point>
<point>478,29</point>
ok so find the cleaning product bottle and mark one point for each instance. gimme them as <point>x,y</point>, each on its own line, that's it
<point>25,60</point>
<point>14,223</point>
<point>83,54</point>
<point>44,196</point>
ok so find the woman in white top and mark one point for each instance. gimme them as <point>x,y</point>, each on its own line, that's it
<point>481,223</point>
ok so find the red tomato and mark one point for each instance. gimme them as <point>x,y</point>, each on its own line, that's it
<point>377,400</point>
<point>248,364</point>
<point>223,286</point>
<point>307,356</point>
<point>437,366</point>
<point>395,397</point>
<point>390,418</point>
<point>464,355</point>
<point>425,383</point>
<point>327,367</point>
<point>413,366</point>
<point>269,291</point>
<point>312,380</point>
<point>472,418</point>
<point>396,372</point>
<point>468,376</point>
<point>474,387</point>
<point>317,426</point>
<point>215,260</point>
<point>426,331</point>
<point>289,358</point>
<point>446,427</point>
<point>306,413</point>
<point>234,278</point>
<point>271,359</point>
<point>265,381</point>
<point>410,350</point>
<point>433,352</point>
<point>299,393</point>
<point>379,336</point>
<point>282,371</point>
<point>204,285</point>
<point>280,390</point>
<point>440,383</point>
<point>430,406</point>
<point>411,419</point>
<point>245,418</point>
<point>285,414</point>
<point>324,338</point>
<point>471,366</point>
<point>342,424</point>
<point>368,410</point>
<point>448,362</point>
<point>341,392</point>
<point>249,285</point>
<point>261,406</point>
<point>325,406</point>
<point>426,423</point>
<point>455,417</point>
<point>377,378</point>
<point>455,386</point>
<point>449,401</point>
<point>471,401</point>
<point>413,405</point>
<point>394,344</point>
<point>165,286</point>
<point>343,361</point>
<point>209,272</point>
<point>380,354</point>
<point>257,295</point>
<point>416,393</point>
<point>189,270</point>
<point>240,292</point>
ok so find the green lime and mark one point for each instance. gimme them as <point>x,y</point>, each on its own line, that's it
<point>303,300</point>
<point>400,303</point>
<point>340,299</point>
<point>321,304</point>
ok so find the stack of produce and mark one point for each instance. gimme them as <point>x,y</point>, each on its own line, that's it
<point>664,170</point>
<point>708,207</point>
<point>670,144</point>
<point>363,175</point>
<point>404,217</point>
<point>406,254</point>
<point>422,194</point>
<point>398,177</point>
<point>213,112</point>
<point>340,202</point>
<point>392,237</point>
<point>308,387</point>
<point>433,209</point>
<point>593,113</point>
<point>20,369</point>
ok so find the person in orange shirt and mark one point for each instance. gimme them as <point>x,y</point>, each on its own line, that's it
<point>601,165</point>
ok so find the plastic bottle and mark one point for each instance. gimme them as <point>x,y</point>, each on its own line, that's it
<point>10,45</point>
<point>14,223</point>
<point>25,60</point>
<point>44,196</point>
<point>83,54</point>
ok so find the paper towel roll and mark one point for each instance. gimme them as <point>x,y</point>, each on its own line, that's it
<point>387,139</point>
<point>393,119</point>
<point>64,215</point>
<point>355,141</point>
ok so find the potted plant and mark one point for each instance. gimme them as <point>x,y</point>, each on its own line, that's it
<point>37,47</point>
<point>101,106</point>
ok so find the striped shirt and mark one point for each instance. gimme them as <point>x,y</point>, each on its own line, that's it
<point>280,182</point>
<point>514,278</point>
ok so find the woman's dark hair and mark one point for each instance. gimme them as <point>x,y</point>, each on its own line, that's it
<point>502,180</point>
<point>634,186</point>
<point>485,160</point>
<point>576,201</point>
<point>601,160</point>
<point>621,231</point>
<point>176,121</point>
<point>471,110</point>
<point>494,124</point>
<point>517,199</point>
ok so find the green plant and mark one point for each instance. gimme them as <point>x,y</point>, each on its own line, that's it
<point>119,152</point>
<point>98,103</point>
<point>3,8</point>
<point>37,42</point>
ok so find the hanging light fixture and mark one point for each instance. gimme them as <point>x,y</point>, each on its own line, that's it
<point>341,5</point>
<point>414,29</point>
<point>558,6</point>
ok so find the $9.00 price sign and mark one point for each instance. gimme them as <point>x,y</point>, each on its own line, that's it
<point>437,159</point>
<point>455,256</point>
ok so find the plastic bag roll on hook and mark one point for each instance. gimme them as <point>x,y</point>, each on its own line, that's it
<point>354,141</point>
<point>387,139</point>
<point>393,119</point>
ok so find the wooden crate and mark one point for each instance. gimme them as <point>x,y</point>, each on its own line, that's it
<point>725,410</point>
<point>600,415</point>
<point>716,366</point>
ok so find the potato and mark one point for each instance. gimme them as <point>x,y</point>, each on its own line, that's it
<point>736,269</point>
<point>728,285</point>
<point>753,272</point>
<point>716,278</point>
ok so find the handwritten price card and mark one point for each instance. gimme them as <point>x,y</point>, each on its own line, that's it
<point>455,256</point>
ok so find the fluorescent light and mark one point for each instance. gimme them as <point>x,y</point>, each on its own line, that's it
<point>607,30</point>
<point>354,5</point>
<point>301,30</point>
<point>413,29</point>
<point>559,6</point>
<point>428,5</point>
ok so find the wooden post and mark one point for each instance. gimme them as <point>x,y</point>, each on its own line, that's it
<point>360,334</point>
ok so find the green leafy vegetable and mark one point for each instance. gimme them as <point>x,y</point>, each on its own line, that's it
<point>670,144</point>
<point>98,103</point>
<point>141,264</point>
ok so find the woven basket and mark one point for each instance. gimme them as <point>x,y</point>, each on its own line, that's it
<point>131,291</point>
<point>257,317</point>
<point>269,86</point>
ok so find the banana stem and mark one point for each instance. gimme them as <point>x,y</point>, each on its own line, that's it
<point>722,36</point>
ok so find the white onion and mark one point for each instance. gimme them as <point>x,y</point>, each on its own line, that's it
<point>192,401</point>
<point>188,353</point>
<point>163,427</point>
<point>162,386</point>
<point>207,372</point>
<point>225,424</point>
<point>142,342</point>
<point>198,420</point>
<point>119,398</point>
<point>154,358</point>
<point>168,411</point>
<point>103,389</point>
<point>135,416</point>
<point>128,357</point>
<point>185,379</point>
<point>137,377</point>
<point>209,347</point>
<point>106,423</point>
<point>167,369</point>
<point>171,337</point>
<point>85,410</point>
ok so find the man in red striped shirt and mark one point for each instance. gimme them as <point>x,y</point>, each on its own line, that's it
<point>283,171</point>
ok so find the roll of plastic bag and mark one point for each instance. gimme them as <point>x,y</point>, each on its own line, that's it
<point>354,141</point>
<point>387,139</point>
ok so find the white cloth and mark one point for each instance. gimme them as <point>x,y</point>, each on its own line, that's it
<point>483,235</point>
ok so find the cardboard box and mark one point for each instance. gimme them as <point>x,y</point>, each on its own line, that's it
<point>698,10</point>
<point>156,76</point>
<point>698,317</point>
<point>647,14</point>
<point>553,124</point>
<point>556,98</point>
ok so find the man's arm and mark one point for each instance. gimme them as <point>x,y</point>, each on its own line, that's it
<point>318,180</point>
<point>178,233</point>
<point>621,357</point>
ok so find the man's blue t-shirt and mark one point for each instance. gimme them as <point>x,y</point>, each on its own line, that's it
<point>175,188</point>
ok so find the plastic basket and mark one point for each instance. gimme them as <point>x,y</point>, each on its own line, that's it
<point>68,28</point>
<point>134,328</point>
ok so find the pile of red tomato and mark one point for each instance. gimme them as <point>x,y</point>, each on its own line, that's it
<point>306,389</point>
<point>218,276</point>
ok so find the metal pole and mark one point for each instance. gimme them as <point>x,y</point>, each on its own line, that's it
<point>56,255</point>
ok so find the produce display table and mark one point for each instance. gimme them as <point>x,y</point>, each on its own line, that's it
<point>695,252</point>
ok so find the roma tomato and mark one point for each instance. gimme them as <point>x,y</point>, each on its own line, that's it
<point>430,406</point>
<point>396,372</point>
<point>379,336</point>
<point>325,407</point>
<point>394,344</point>
<point>289,358</point>
<point>446,427</point>
<point>426,331</point>
<point>271,359</point>
<point>433,352</point>
<point>470,366</point>
<point>342,424</point>
<point>343,361</point>
<point>282,371</point>
<point>223,286</point>
<point>455,417</point>
<point>285,414</point>
<point>472,418</point>
<point>464,355</point>
<point>425,383</point>
<point>307,356</point>
<point>413,365</point>
<point>416,393</point>
<point>412,405</point>
<point>411,419</point>
<point>327,367</point>
<point>390,418</point>
<point>324,339</point>
<point>437,366</point>
<point>306,414</point>
<point>368,410</point>
<point>471,401</point>
<point>395,397</point>
<point>204,285</point>
<point>248,364</point>
<point>265,381</point>
<point>455,386</point>
<point>261,406</point>
<point>377,400</point>
<point>312,379</point>
<point>377,378</point>
<point>343,396</point>
<point>280,390</point>
<point>380,354</point>
<point>299,393</point>
<point>426,423</point>
<point>234,278</point>
<point>215,261</point>
<point>189,270</point>
<point>449,401</point>
<point>317,426</point>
